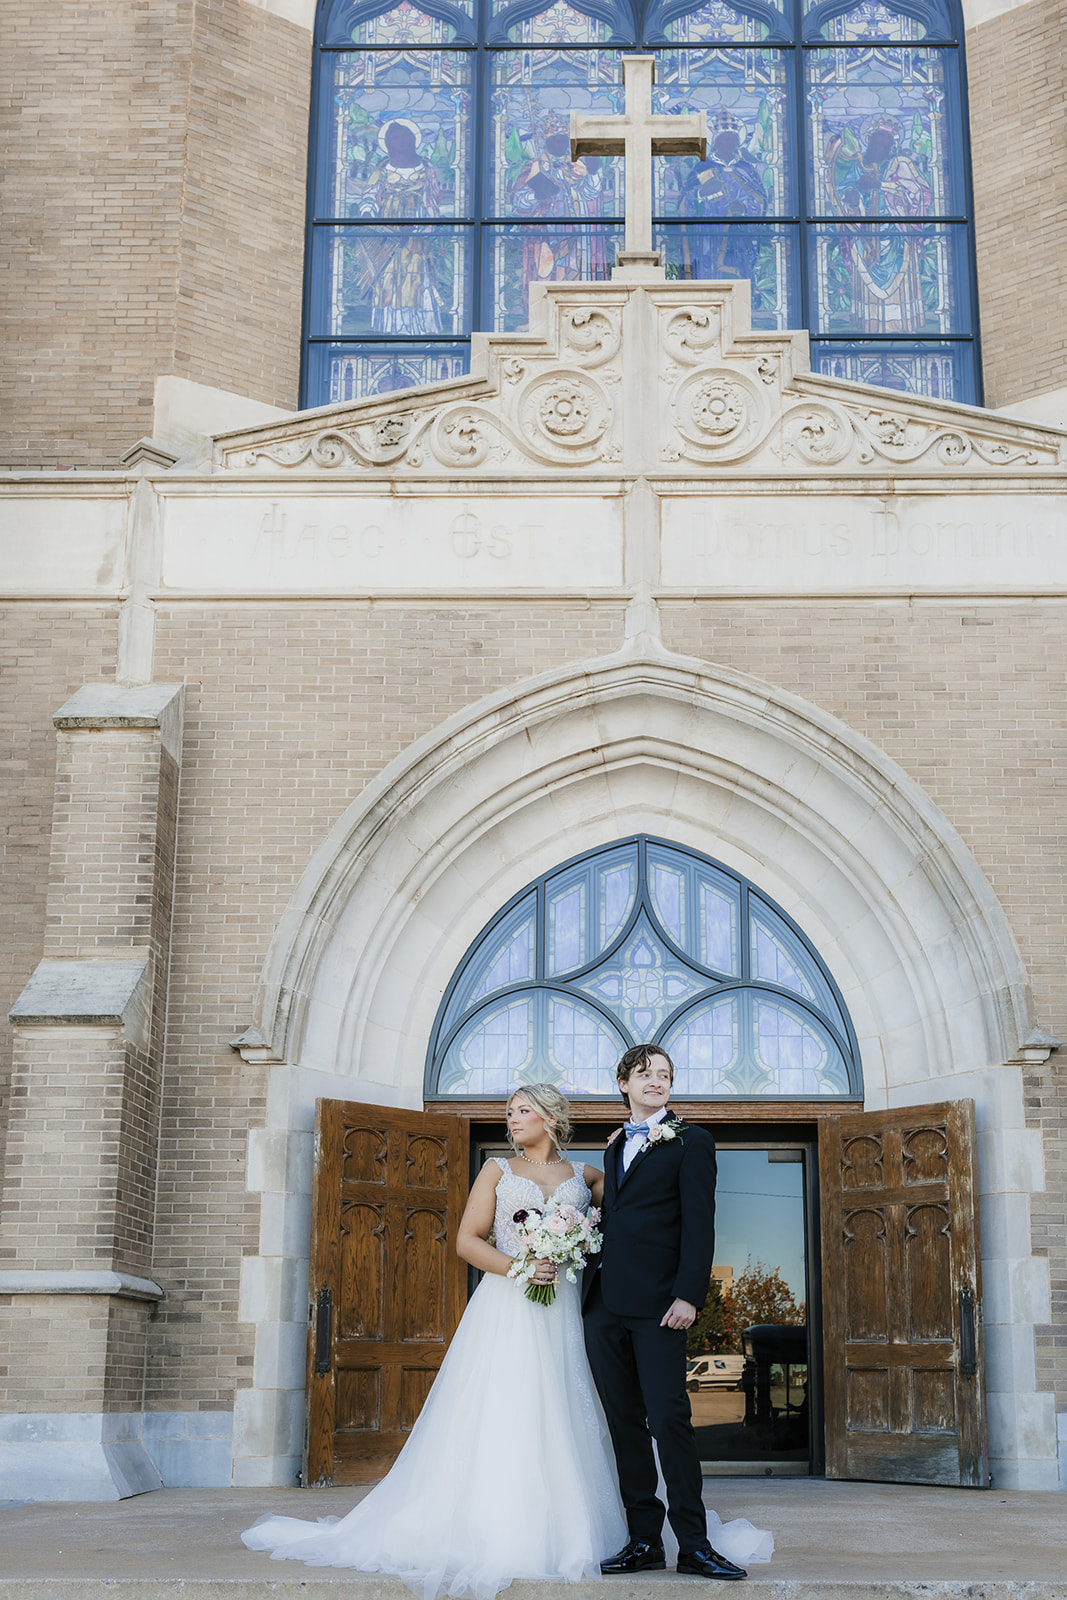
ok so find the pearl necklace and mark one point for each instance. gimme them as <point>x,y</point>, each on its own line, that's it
<point>529,1159</point>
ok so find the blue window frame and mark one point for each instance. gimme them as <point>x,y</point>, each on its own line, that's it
<point>639,941</point>
<point>837,180</point>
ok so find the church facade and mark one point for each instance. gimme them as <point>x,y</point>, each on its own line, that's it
<point>310,703</point>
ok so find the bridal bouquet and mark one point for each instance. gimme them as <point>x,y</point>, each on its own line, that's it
<point>561,1234</point>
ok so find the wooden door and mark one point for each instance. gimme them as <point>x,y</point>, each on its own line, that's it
<point>387,1289</point>
<point>902,1322</point>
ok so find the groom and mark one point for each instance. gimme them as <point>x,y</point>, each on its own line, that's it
<point>659,1237</point>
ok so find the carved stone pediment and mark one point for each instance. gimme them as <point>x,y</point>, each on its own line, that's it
<point>642,376</point>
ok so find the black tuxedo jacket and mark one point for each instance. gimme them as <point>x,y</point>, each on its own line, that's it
<point>658,1224</point>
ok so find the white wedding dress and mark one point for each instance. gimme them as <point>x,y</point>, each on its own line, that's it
<point>508,1472</point>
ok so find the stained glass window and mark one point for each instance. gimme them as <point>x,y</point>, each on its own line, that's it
<point>836,180</point>
<point>643,941</point>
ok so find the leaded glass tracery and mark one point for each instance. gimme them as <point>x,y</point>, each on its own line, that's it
<point>836,180</point>
<point>639,941</point>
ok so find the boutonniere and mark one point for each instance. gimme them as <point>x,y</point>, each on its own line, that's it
<point>663,1133</point>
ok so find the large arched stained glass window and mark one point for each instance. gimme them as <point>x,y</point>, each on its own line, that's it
<point>836,180</point>
<point>643,940</point>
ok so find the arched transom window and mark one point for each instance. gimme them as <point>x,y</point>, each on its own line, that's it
<point>639,941</point>
<point>836,179</point>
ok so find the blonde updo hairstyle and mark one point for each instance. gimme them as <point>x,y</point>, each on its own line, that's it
<point>551,1107</point>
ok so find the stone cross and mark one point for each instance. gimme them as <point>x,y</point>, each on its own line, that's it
<point>637,136</point>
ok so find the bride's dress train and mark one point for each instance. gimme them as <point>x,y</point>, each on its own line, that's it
<point>508,1472</point>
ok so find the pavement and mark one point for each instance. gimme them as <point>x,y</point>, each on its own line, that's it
<point>834,1541</point>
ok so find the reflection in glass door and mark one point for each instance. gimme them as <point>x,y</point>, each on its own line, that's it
<point>748,1368</point>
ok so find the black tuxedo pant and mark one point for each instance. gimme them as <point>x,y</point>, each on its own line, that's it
<point>639,1370</point>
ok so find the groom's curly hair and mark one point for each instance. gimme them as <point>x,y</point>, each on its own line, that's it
<point>639,1055</point>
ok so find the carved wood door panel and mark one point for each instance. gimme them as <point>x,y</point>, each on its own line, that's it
<point>902,1341</point>
<point>387,1289</point>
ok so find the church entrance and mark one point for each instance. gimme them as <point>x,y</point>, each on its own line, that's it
<point>751,1399</point>
<point>859,1238</point>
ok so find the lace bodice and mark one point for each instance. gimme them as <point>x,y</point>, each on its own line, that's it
<point>515,1194</point>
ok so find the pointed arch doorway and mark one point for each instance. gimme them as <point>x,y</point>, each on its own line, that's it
<point>643,940</point>
<point>831,830</point>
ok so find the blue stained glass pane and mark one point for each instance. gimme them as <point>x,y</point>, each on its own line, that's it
<point>715,21</point>
<point>943,371</point>
<point>515,257</point>
<point>390,280</point>
<point>529,168</point>
<point>513,963</point>
<point>718,929</point>
<point>566,929</point>
<point>618,887</point>
<point>873,19</point>
<point>704,1048</point>
<point>882,139</point>
<point>643,982</point>
<point>399,135</point>
<point>356,372</point>
<point>583,1049</point>
<point>904,278</point>
<point>779,957</point>
<point>557,22</point>
<point>506,957</point>
<point>769,257</point>
<point>772,963</point>
<point>667,888</point>
<point>377,22</point>
<point>488,1056</point>
<point>797,1053</point>
<point>750,170</point>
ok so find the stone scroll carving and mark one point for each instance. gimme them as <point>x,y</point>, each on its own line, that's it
<point>650,376</point>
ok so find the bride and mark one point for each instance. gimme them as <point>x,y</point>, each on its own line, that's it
<point>508,1471</point>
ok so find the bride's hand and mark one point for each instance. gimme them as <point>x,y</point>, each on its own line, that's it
<point>544,1271</point>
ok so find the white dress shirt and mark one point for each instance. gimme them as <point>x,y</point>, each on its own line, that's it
<point>634,1145</point>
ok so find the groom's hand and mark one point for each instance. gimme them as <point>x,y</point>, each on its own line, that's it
<point>681,1315</point>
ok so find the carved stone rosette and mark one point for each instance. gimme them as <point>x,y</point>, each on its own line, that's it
<point>718,414</point>
<point>563,417</point>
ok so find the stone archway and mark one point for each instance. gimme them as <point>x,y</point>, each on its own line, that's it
<point>832,829</point>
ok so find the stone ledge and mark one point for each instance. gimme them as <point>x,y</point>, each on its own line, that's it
<point>108,706</point>
<point>122,1285</point>
<point>82,992</point>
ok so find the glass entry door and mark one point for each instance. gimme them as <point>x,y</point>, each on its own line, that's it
<point>749,1374</point>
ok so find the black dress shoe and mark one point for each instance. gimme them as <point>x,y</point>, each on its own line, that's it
<point>708,1563</point>
<point>637,1555</point>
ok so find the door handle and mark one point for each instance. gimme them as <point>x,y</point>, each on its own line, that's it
<point>968,1334</point>
<point>323,1329</point>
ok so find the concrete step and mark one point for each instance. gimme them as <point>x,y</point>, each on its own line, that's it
<point>834,1541</point>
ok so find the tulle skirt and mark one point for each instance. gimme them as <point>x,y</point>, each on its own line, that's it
<point>508,1472</point>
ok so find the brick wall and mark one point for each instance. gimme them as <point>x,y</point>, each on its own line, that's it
<point>289,714</point>
<point>969,700</point>
<point>71,1353</point>
<point>46,652</point>
<point>1016,69</point>
<point>242,258</point>
<point>153,210</point>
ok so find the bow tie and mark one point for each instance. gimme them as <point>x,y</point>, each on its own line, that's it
<point>636,1130</point>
